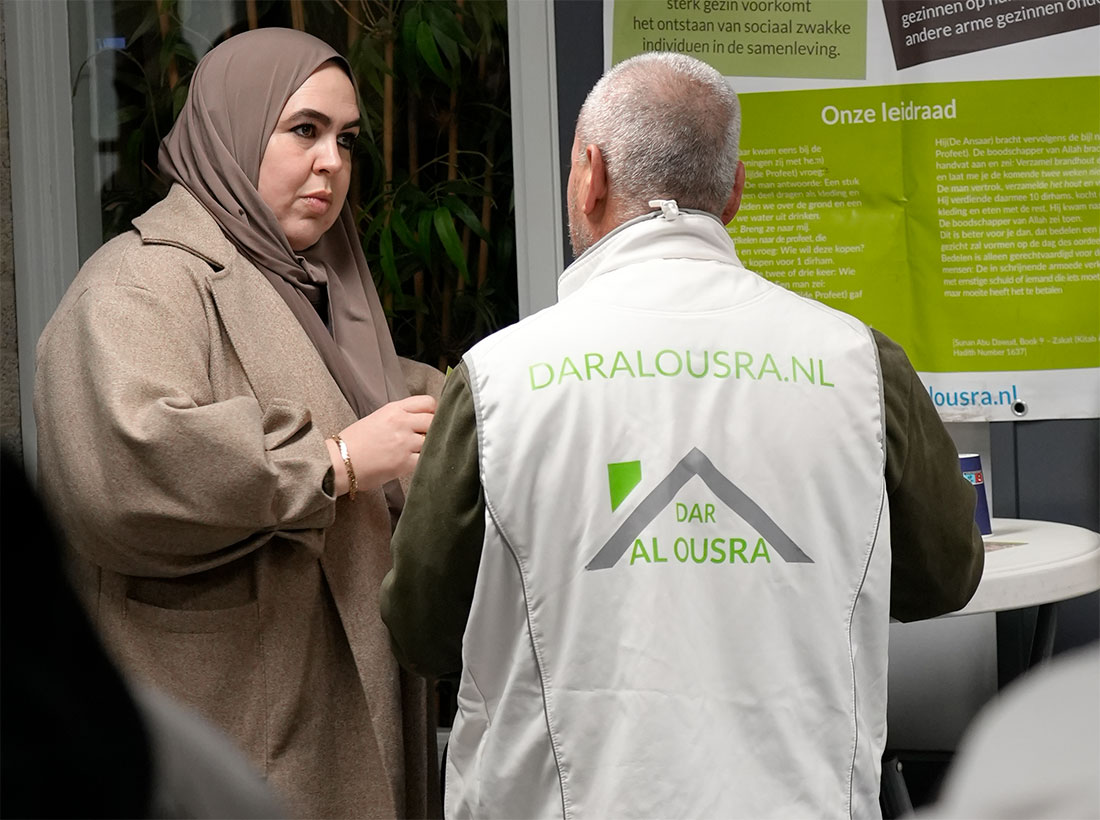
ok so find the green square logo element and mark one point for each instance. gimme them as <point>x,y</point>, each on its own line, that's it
<point>622,477</point>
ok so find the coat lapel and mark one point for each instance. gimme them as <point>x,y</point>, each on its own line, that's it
<point>278,357</point>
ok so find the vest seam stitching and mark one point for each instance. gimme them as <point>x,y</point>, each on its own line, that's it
<point>851,656</point>
<point>535,645</point>
<point>883,501</point>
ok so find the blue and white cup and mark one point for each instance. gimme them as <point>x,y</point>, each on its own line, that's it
<point>971,464</point>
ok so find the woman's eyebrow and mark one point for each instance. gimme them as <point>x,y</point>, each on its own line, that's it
<point>323,119</point>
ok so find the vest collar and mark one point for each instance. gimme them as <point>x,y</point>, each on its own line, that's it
<point>669,233</point>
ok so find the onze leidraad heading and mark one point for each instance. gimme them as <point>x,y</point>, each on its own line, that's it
<point>903,112</point>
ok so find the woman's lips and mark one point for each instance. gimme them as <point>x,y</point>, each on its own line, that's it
<point>317,202</point>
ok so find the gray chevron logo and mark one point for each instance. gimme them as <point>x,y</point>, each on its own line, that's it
<point>695,463</point>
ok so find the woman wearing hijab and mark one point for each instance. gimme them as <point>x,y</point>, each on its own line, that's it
<point>225,429</point>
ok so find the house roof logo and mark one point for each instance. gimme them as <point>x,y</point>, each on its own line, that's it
<point>623,477</point>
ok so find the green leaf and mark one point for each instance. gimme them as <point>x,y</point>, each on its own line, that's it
<point>445,230</point>
<point>374,56</point>
<point>133,147</point>
<point>183,50</point>
<point>467,215</point>
<point>146,25</point>
<point>449,47</point>
<point>409,28</point>
<point>389,267</point>
<point>374,79</point>
<point>401,228</point>
<point>405,302</point>
<point>425,42</point>
<point>442,18</point>
<point>130,113</point>
<point>369,64</point>
<point>373,227</point>
<point>365,141</point>
<point>179,97</point>
<point>424,236</point>
<point>412,198</point>
<point>461,187</point>
<point>506,248</point>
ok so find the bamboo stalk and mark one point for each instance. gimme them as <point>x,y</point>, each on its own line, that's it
<point>252,14</point>
<point>165,28</point>
<point>354,32</point>
<point>412,118</point>
<point>297,15</point>
<point>452,174</point>
<point>486,218</point>
<point>487,197</point>
<point>387,115</point>
<point>353,12</point>
<point>387,141</point>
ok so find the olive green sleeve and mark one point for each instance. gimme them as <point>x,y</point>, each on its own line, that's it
<point>425,598</point>
<point>938,552</point>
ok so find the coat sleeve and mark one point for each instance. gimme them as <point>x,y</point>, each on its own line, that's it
<point>421,379</point>
<point>426,597</point>
<point>149,472</point>
<point>938,553</point>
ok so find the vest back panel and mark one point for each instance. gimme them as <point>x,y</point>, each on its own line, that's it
<point>682,604</point>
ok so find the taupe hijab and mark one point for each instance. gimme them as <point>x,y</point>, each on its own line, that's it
<point>214,150</point>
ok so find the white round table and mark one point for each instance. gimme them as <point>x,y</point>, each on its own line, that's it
<point>1029,563</point>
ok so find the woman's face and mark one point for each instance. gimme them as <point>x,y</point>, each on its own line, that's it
<point>306,167</point>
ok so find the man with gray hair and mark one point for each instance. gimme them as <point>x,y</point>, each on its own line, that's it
<point>660,134</point>
<point>659,528</point>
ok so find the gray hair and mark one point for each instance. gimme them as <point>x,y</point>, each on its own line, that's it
<point>668,127</point>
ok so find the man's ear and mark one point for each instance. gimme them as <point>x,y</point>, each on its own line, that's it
<point>595,193</point>
<point>734,202</point>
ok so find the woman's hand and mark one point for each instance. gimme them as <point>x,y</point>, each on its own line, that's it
<point>385,445</point>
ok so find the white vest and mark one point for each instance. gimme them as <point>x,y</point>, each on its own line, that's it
<point>682,603</point>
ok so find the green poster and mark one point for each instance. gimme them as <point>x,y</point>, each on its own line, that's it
<point>957,210</point>
<point>762,39</point>
<point>970,237</point>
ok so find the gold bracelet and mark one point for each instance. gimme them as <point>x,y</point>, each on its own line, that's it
<point>353,485</point>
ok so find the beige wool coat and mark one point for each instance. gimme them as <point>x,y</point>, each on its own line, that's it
<point>182,413</point>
